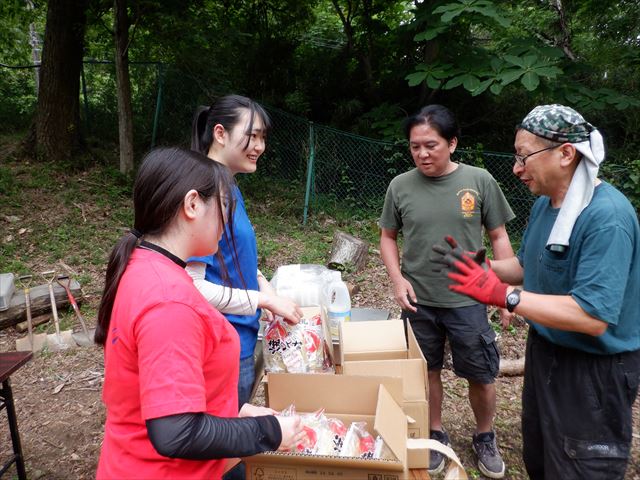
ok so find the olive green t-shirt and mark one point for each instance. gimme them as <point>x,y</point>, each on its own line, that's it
<point>426,209</point>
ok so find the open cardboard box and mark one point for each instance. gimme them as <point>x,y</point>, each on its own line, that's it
<point>349,398</point>
<point>379,348</point>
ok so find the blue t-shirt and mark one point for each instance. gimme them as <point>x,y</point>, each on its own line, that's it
<point>600,269</point>
<point>246,262</point>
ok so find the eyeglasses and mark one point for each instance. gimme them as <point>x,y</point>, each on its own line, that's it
<point>521,159</point>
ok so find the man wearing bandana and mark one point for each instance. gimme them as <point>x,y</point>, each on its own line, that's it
<point>579,267</point>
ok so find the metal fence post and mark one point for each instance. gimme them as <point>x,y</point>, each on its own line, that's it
<point>86,100</point>
<point>312,153</point>
<point>156,116</point>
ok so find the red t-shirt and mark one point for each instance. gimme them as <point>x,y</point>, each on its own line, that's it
<point>167,352</point>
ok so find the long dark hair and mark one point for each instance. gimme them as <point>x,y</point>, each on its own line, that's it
<point>438,117</point>
<point>163,180</point>
<point>226,111</point>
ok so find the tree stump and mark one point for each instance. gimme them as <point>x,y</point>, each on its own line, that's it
<point>347,250</point>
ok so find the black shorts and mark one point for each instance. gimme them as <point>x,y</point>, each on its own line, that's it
<point>576,411</point>
<point>473,341</point>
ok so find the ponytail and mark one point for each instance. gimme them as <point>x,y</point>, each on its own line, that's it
<point>201,136</point>
<point>226,111</point>
<point>118,261</point>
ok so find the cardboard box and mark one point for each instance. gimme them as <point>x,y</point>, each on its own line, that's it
<point>377,340</point>
<point>379,348</point>
<point>372,340</point>
<point>356,398</point>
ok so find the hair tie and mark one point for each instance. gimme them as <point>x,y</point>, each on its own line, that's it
<point>135,233</point>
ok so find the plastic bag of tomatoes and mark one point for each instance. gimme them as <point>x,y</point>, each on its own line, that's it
<point>298,348</point>
<point>323,435</point>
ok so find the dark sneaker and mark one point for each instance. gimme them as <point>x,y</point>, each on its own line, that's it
<point>436,459</point>
<point>489,460</point>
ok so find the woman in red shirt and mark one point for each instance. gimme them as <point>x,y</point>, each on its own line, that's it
<point>171,359</point>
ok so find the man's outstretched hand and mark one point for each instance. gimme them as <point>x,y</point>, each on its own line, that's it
<point>448,256</point>
<point>471,273</point>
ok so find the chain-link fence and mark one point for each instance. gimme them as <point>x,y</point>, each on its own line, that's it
<point>342,171</point>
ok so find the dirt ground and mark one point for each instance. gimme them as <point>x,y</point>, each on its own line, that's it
<point>61,416</point>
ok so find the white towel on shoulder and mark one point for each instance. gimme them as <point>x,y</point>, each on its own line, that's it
<point>580,190</point>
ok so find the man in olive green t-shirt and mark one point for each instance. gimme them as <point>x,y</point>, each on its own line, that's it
<point>438,198</point>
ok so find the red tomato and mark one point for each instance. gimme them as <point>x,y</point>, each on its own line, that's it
<point>367,443</point>
<point>311,341</point>
<point>275,331</point>
<point>309,441</point>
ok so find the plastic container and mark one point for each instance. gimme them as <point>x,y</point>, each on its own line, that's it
<point>303,283</point>
<point>7,287</point>
<point>338,302</point>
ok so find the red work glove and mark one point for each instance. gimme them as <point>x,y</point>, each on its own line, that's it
<point>474,281</point>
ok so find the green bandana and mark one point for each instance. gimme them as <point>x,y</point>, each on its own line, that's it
<point>557,123</point>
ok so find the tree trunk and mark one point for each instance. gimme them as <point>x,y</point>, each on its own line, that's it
<point>563,40</point>
<point>57,131</point>
<point>367,54</point>
<point>123,85</point>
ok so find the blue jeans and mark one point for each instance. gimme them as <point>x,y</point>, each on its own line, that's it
<point>246,379</point>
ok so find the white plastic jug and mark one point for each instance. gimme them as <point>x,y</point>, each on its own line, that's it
<point>338,302</point>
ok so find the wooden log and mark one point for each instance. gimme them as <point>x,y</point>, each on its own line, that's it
<point>39,320</point>
<point>40,302</point>
<point>346,251</point>
<point>511,368</point>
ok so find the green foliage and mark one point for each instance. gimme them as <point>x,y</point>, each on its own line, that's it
<point>481,7</point>
<point>490,61</point>
<point>19,86</point>
<point>506,54</point>
<point>382,121</point>
<point>15,17</point>
<point>626,178</point>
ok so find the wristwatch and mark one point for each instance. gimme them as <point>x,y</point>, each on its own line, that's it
<point>513,299</point>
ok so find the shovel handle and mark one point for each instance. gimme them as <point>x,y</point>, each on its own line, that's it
<point>27,302</point>
<point>73,303</point>
<point>54,309</point>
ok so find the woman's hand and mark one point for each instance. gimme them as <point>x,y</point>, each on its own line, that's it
<point>292,432</point>
<point>282,306</point>
<point>273,304</point>
<point>249,410</point>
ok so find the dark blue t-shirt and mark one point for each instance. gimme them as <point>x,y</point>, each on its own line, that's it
<point>246,263</point>
<point>600,269</point>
